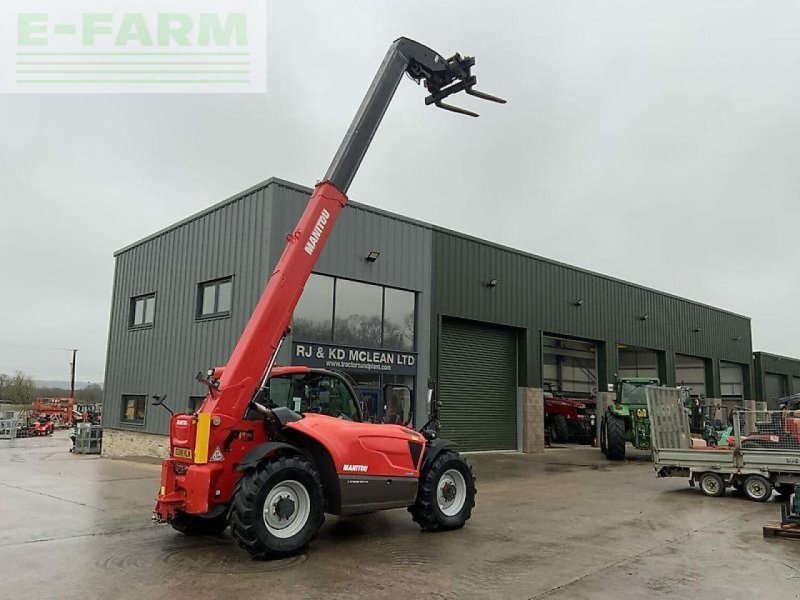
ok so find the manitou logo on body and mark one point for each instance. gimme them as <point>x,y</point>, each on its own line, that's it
<point>316,233</point>
<point>355,468</point>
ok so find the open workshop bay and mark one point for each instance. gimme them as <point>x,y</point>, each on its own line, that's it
<point>565,524</point>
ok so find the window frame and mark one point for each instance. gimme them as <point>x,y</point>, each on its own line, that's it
<point>213,283</point>
<point>123,406</point>
<point>132,311</point>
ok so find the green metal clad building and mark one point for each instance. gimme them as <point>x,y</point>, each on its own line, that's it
<point>483,320</point>
<point>776,377</point>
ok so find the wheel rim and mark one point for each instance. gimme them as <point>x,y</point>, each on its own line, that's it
<point>286,509</point>
<point>710,485</point>
<point>451,493</point>
<point>756,488</point>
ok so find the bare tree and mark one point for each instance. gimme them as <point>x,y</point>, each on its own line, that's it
<point>20,389</point>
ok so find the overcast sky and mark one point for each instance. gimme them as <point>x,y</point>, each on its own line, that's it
<point>653,141</point>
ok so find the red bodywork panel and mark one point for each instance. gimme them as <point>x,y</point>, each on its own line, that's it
<point>382,449</point>
<point>571,409</point>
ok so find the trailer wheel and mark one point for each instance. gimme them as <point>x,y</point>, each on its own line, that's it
<point>711,484</point>
<point>196,525</point>
<point>757,488</point>
<point>615,437</point>
<point>446,494</point>
<point>560,430</point>
<point>277,508</point>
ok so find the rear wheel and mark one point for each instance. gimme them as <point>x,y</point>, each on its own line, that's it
<point>560,430</point>
<point>446,494</point>
<point>277,508</point>
<point>712,484</point>
<point>757,488</point>
<point>197,525</point>
<point>615,437</point>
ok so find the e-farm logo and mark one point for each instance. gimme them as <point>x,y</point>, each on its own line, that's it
<point>132,46</point>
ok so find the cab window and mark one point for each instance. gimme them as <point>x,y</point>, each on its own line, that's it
<point>312,392</point>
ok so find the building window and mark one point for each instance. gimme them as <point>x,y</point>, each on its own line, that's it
<point>214,298</point>
<point>313,317</point>
<point>194,403</point>
<point>133,408</point>
<point>143,311</point>
<point>355,313</point>
<point>358,316</point>
<point>398,319</point>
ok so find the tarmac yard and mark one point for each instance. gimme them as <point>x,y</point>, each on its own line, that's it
<point>562,525</point>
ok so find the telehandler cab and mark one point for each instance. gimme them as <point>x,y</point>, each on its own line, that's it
<point>272,449</point>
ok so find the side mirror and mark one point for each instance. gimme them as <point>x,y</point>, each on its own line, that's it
<point>159,401</point>
<point>433,402</point>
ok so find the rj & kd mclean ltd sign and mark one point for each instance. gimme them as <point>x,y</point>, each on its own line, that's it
<point>329,356</point>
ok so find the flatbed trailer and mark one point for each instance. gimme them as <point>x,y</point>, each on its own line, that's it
<point>762,454</point>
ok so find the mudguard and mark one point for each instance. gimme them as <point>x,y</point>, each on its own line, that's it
<point>255,455</point>
<point>434,449</point>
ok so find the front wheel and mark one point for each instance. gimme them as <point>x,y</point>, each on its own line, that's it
<point>277,508</point>
<point>446,494</point>
<point>711,484</point>
<point>615,437</point>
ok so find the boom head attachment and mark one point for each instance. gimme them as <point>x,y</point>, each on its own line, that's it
<point>443,77</point>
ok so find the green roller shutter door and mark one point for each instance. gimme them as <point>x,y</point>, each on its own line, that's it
<point>478,385</point>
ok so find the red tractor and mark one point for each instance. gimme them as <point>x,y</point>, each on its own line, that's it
<point>42,426</point>
<point>569,419</point>
<point>272,449</point>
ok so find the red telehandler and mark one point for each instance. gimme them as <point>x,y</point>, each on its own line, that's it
<point>272,449</point>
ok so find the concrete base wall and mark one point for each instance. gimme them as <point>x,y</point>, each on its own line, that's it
<point>532,420</point>
<point>120,443</point>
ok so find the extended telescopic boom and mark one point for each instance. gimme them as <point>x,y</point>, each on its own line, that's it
<point>232,387</point>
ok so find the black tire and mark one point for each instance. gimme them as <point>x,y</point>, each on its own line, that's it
<point>711,484</point>
<point>560,429</point>
<point>603,436</point>
<point>615,437</point>
<point>785,489</point>
<point>197,525</point>
<point>427,511</point>
<point>757,488</point>
<point>248,522</point>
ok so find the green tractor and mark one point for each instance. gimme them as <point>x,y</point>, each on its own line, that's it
<point>627,419</point>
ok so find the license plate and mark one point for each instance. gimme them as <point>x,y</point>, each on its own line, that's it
<point>182,453</point>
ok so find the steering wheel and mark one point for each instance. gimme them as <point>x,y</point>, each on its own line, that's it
<point>313,409</point>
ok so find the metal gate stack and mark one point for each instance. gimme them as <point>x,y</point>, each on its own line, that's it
<point>8,428</point>
<point>88,438</point>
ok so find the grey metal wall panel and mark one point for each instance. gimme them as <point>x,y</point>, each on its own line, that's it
<point>231,240</point>
<point>539,295</point>
<point>242,237</point>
